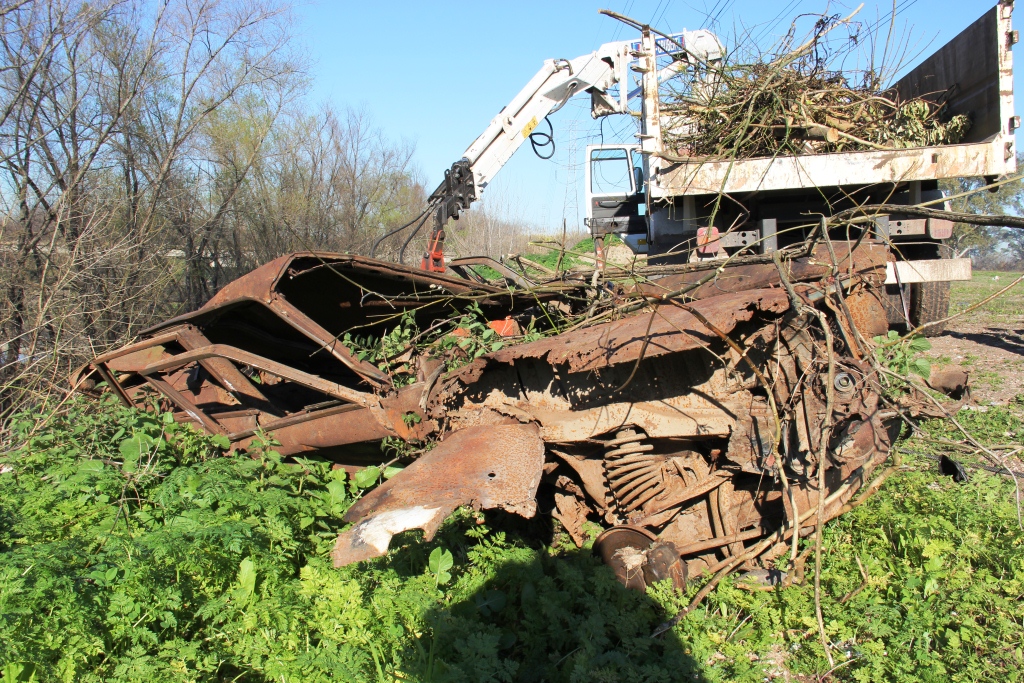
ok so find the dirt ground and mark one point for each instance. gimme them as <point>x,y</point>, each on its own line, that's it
<point>988,342</point>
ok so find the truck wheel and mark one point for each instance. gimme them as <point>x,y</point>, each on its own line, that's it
<point>929,301</point>
<point>894,307</point>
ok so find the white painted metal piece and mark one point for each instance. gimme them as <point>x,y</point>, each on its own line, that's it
<point>650,136</point>
<point>831,170</point>
<point>377,531</point>
<point>703,45</point>
<point>700,43</point>
<point>931,270</point>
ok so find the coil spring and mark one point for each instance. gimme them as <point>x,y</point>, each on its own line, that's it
<point>634,476</point>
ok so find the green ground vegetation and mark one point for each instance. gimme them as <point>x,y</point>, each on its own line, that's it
<point>134,548</point>
<point>578,254</point>
<point>1004,309</point>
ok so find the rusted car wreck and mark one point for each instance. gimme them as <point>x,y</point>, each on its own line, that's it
<point>687,418</point>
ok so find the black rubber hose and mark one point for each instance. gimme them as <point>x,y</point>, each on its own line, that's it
<point>401,253</point>
<point>541,140</point>
<point>373,249</point>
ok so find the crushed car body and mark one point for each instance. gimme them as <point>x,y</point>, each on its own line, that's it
<point>687,412</point>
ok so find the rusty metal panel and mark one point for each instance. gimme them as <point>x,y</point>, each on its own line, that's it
<point>222,370</point>
<point>224,352</point>
<point>660,425</point>
<point>320,430</point>
<point>262,283</point>
<point>265,286</point>
<point>676,416</point>
<point>134,361</point>
<point>667,330</point>
<point>486,467</point>
<point>966,74</point>
<point>866,262</point>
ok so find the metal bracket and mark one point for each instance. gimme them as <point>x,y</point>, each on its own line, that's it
<point>769,238</point>
<point>456,192</point>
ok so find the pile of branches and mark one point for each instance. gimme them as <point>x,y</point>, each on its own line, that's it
<point>792,103</point>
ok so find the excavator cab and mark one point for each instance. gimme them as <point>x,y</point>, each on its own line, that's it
<point>616,194</point>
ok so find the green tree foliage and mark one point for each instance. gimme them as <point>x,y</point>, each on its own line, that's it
<point>989,246</point>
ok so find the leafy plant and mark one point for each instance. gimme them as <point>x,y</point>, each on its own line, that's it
<point>903,356</point>
<point>367,477</point>
<point>441,561</point>
<point>195,565</point>
<point>472,337</point>
<point>392,352</point>
<point>18,672</point>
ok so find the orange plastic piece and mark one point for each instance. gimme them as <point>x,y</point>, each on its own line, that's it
<point>505,328</point>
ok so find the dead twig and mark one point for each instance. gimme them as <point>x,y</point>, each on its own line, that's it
<point>864,583</point>
<point>781,533</point>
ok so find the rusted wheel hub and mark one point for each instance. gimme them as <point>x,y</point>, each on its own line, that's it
<point>638,558</point>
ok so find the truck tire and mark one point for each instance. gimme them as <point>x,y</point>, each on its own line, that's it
<point>929,301</point>
<point>894,307</point>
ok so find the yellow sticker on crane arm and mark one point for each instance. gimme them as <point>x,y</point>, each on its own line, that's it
<point>528,128</point>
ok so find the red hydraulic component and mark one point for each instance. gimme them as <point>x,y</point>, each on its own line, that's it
<point>452,196</point>
<point>433,259</point>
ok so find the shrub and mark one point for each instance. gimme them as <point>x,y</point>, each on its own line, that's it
<point>134,548</point>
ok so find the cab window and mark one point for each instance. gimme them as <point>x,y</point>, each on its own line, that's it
<point>610,172</point>
<point>638,171</point>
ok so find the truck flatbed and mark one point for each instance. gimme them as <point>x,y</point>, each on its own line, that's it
<point>973,72</point>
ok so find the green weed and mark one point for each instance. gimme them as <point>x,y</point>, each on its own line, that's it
<point>133,548</point>
<point>902,357</point>
<point>993,380</point>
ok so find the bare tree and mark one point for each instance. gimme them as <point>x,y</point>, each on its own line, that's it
<point>126,130</point>
<point>493,227</point>
<point>152,152</point>
<point>330,181</point>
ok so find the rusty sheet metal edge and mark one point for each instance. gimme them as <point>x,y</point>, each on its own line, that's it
<point>867,261</point>
<point>675,416</point>
<point>261,284</point>
<point>487,466</point>
<point>223,351</point>
<point>337,426</point>
<point>672,330</point>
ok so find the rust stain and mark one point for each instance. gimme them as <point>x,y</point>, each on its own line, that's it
<point>867,314</point>
<point>867,263</point>
<point>669,330</point>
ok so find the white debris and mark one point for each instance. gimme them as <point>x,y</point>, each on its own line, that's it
<point>378,530</point>
<point>632,560</point>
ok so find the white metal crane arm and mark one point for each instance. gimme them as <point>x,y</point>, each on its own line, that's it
<point>555,83</point>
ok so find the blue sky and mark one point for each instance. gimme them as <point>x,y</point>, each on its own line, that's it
<point>435,74</point>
